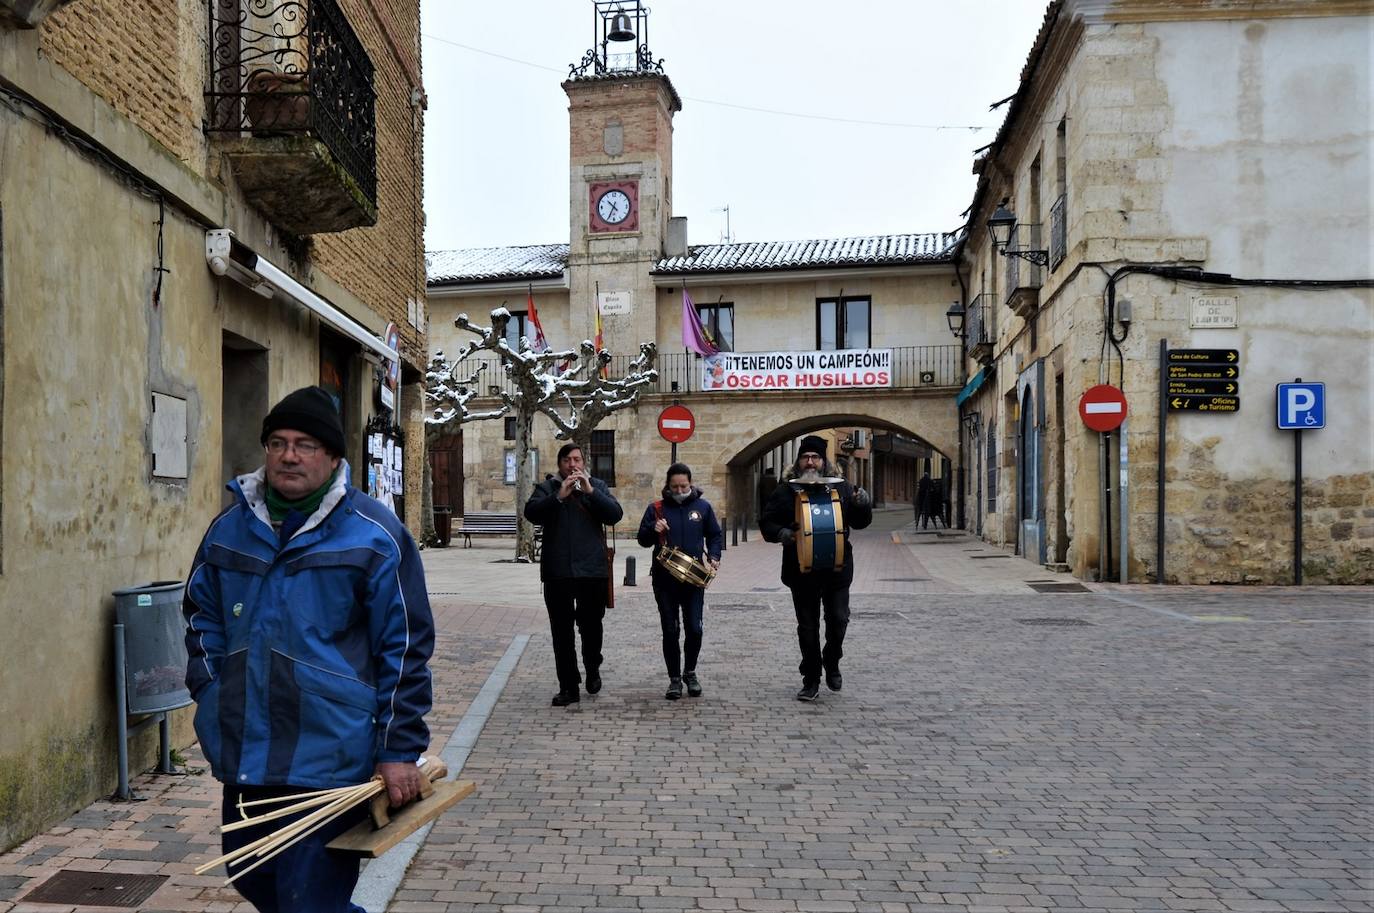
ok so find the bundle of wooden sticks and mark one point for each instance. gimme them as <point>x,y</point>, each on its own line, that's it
<point>307,812</point>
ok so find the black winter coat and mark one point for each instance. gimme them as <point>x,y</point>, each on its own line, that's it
<point>573,543</point>
<point>781,513</point>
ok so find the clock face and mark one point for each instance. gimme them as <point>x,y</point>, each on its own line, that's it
<point>613,207</point>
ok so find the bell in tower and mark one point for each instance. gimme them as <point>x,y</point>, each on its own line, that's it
<point>617,22</point>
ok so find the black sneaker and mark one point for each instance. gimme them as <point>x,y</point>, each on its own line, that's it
<point>693,686</point>
<point>674,690</point>
<point>809,691</point>
<point>593,682</point>
<point>834,681</point>
<point>565,697</point>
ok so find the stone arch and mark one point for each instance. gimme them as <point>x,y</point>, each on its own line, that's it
<point>931,419</point>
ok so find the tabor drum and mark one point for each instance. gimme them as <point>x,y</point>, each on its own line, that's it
<point>820,529</point>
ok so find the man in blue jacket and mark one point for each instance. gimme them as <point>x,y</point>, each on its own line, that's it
<point>309,636</point>
<point>574,510</point>
<point>686,521</point>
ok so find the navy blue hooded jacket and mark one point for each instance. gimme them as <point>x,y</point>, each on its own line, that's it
<point>692,527</point>
<point>308,660</point>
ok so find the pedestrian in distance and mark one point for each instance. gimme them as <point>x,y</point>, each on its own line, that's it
<point>574,510</point>
<point>924,490</point>
<point>684,520</point>
<point>309,635</point>
<point>821,590</point>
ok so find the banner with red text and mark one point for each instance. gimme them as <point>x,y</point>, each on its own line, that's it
<point>828,370</point>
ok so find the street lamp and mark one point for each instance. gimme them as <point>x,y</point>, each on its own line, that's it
<point>1001,224</point>
<point>955,318</point>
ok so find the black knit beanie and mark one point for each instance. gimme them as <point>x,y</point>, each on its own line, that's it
<point>812,444</point>
<point>309,410</point>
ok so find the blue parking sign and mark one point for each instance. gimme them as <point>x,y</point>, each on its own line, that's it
<point>1301,407</point>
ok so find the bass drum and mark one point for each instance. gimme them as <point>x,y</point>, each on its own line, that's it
<point>820,529</point>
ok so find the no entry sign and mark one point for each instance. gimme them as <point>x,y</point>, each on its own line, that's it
<point>1102,408</point>
<point>676,424</point>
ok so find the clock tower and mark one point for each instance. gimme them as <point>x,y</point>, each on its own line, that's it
<point>621,108</point>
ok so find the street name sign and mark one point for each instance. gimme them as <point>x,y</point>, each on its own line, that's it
<point>1301,407</point>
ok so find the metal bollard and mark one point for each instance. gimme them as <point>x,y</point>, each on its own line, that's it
<point>629,570</point>
<point>734,533</point>
<point>725,524</point>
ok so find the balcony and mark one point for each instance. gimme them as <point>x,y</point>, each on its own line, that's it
<point>26,14</point>
<point>1058,234</point>
<point>1023,277</point>
<point>913,367</point>
<point>979,332</point>
<point>292,99</point>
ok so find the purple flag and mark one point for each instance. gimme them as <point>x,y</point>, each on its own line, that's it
<point>694,335</point>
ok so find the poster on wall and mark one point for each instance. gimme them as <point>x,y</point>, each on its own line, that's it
<point>824,370</point>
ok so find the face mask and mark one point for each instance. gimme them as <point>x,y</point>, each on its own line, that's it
<point>680,496</point>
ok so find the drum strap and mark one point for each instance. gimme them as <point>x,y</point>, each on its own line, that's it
<point>658,515</point>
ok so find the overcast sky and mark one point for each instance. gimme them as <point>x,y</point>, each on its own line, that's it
<point>808,119</point>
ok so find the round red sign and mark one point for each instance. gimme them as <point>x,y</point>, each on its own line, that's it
<point>676,424</point>
<point>1103,408</point>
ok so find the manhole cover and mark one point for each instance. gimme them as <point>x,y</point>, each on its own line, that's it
<point>96,889</point>
<point>904,579</point>
<point>1054,622</point>
<point>1058,587</point>
<point>740,607</point>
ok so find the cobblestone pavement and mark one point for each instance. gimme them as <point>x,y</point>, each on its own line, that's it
<point>994,748</point>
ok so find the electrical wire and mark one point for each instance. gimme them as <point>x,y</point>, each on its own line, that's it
<point>725,104</point>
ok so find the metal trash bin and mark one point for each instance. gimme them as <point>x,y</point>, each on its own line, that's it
<point>443,526</point>
<point>150,665</point>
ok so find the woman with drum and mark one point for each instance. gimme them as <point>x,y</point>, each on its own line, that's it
<point>687,542</point>
<point>811,515</point>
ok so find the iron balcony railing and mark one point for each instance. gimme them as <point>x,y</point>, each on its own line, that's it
<point>1022,273</point>
<point>1058,247</point>
<point>294,67</point>
<point>978,328</point>
<point>680,372</point>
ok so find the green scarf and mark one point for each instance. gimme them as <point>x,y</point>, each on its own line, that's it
<point>279,507</point>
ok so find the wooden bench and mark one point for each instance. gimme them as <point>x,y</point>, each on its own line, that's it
<point>494,523</point>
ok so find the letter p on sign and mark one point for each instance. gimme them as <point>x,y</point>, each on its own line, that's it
<point>1301,406</point>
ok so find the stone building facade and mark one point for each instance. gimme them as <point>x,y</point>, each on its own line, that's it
<point>135,368</point>
<point>1151,144</point>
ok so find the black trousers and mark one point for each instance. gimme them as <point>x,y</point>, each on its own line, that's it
<point>674,597</point>
<point>808,600</point>
<point>579,601</point>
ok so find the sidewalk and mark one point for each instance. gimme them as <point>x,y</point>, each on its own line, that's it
<point>995,748</point>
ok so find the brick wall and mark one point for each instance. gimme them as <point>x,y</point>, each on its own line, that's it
<point>144,58</point>
<point>384,265</point>
<point>147,58</point>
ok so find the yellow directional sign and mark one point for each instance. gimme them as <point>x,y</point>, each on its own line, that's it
<point>1191,356</point>
<point>1204,403</point>
<point>1203,372</point>
<point>1203,387</point>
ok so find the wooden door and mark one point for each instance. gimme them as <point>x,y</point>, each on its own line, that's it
<point>446,471</point>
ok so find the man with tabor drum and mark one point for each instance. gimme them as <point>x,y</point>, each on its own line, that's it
<point>687,541</point>
<point>811,514</point>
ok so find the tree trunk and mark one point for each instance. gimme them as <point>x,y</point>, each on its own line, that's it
<point>428,535</point>
<point>524,484</point>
